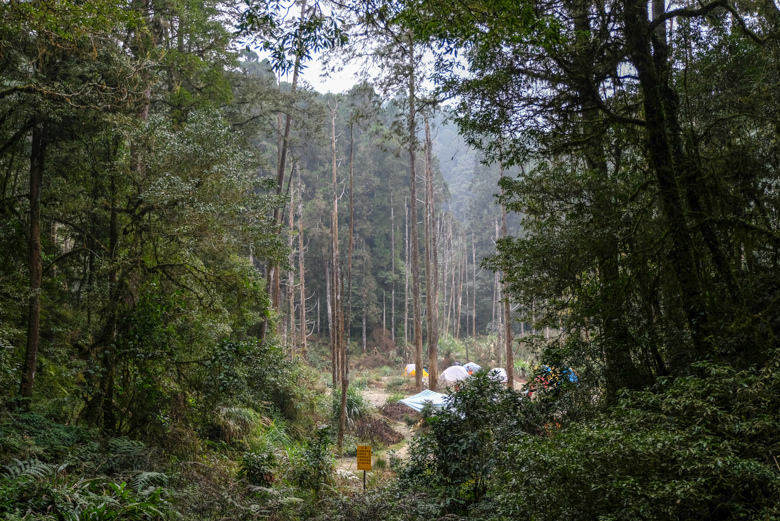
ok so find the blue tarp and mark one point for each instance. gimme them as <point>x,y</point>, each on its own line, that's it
<point>418,401</point>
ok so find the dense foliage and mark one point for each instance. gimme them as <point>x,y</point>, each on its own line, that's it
<point>699,447</point>
<point>648,163</point>
<point>161,189</point>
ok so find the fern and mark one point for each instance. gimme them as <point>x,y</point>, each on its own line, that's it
<point>126,447</point>
<point>33,467</point>
<point>124,453</point>
<point>236,422</point>
<point>146,480</point>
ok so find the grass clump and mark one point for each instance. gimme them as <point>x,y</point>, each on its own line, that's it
<point>357,405</point>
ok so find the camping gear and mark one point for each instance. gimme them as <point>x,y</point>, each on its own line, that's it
<point>471,367</point>
<point>410,370</point>
<point>453,374</point>
<point>418,401</point>
<point>498,373</point>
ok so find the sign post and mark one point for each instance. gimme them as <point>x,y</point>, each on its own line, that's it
<point>364,460</point>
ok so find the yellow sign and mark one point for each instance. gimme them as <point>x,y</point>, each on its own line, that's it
<point>364,457</point>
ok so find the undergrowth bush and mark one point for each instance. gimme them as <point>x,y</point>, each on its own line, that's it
<point>33,489</point>
<point>701,446</point>
<point>696,447</point>
<point>314,466</point>
<point>357,405</point>
<point>259,467</point>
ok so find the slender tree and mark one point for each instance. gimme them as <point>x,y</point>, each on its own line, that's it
<point>392,264</point>
<point>414,246</point>
<point>274,274</point>
<point>302,269</point>
<point>431,260</point>
<point>291,273</point>
<point>37,162</point>
<point>339,344</point>
<point>406,274</point>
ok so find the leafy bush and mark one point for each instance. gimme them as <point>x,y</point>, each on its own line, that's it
<point>125,454</point>
<point>31,435</point>
<point>350,445</point>
<point>314,468</point>
<point>456,455</point>
<point>522,367</point>
<point>40,488</point>
<point>697,447</point>
<point>232,423</point>
<point>241,375</point>
<point>259,467</point>
<point>361,382</point>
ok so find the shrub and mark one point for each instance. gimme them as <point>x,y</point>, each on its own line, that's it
<point>258,467</point>
<point>357,405</point>
<point>456,454</point>
<point>314,467</point>
<point>697,447</point>
<point>232,423</point>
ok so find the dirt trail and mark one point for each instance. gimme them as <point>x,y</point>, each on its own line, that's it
<point>378,396</point>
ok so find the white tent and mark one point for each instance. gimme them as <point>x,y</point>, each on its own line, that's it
<point>471,367</point>
<point>498,373</point>
<point>453,374</point>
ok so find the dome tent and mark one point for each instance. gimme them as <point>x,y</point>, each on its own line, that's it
<point>498,373</point>
<point>453,374</point>
<point>409,370</point>
<point>471,367</point>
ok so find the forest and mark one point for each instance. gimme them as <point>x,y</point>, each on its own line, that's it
<point>215,275</point>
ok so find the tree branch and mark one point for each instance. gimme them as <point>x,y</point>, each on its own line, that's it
<point>687,12</point>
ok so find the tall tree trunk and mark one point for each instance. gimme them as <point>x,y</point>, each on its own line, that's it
<point>418,341</point>
<point>474,279</point>
<point>431,260</point>
<point>329,315</point>
<point>392,265</point>
<point>459,308</point>
<point>364,328</point>
<point>406,275</point>
<point>37,161</point>
<point>339,347</point>
<point>301,269</point>
<point>466,284</point>
<point>657,131</point>
<point>291,273</point>
<point>109,338</point>
<point>495,297</point>
<point>444,324</point>
<point>348,328</point>
<point>350,246</point>
<point>510,355</point>
<point>452,269</point>
<point>274,272</point>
